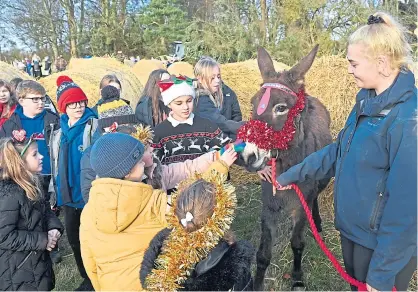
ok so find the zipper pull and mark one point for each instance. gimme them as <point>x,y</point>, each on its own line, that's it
<point>380,195</point>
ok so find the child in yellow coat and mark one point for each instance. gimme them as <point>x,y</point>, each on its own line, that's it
<point>123,214</point>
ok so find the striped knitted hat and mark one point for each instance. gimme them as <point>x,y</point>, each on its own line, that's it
<point>115,111</point>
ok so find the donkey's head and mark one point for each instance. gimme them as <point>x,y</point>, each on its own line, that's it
<point>272,103</point>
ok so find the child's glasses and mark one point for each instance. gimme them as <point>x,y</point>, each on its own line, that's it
<point>78,103</point>
<point>36,99</point>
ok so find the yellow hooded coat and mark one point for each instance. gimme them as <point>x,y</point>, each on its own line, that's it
<point>117,225</point>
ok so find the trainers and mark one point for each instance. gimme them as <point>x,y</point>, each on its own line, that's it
<point>85,286</point>
<point>55,256</point>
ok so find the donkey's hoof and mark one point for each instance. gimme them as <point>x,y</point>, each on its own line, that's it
<point>298,286</point>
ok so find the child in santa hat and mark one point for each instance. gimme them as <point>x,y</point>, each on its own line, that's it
<point>183,135</point>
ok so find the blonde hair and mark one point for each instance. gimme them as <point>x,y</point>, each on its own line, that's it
<point>13,167</point>
<point>203,69</point>
<point>29,87</point>
<point>199,200</point>
<point>388,38</point>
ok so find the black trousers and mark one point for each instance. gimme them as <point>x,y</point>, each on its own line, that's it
<point>357,259</point>
<point>72,227</point>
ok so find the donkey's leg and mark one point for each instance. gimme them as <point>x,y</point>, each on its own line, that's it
<point>264,253</point>
<point>316,215</point>
<point>269,218</point>
<point>297,243</point>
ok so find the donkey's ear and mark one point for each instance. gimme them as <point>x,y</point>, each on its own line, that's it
<point>297,73</point>
<point>265,64</point>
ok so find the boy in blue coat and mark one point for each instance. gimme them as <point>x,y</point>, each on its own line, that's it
<point>78,124</point>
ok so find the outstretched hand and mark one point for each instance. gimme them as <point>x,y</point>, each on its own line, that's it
<point>229,156</point>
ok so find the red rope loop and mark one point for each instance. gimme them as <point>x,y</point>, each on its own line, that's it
<point>360,285</point>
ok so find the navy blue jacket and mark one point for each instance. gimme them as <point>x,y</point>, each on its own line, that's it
<point>374,161</point>
<point>227,118</point>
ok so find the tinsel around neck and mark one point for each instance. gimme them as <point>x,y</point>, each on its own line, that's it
<point>181,251</point>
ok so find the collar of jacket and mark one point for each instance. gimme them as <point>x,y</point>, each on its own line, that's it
<point>118,203</point>
<point>398,92</point>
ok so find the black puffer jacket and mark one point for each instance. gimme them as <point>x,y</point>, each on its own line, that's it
<point>227,267</point>
<point>24,261</point>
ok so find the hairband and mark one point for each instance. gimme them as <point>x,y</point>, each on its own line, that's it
<point>189,218</point>
<point>375,20</point>
<point>19,137</point>
<point>166,84</point>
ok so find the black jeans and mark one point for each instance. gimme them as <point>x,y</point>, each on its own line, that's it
<point>357,259</point>
<point>72,227</point>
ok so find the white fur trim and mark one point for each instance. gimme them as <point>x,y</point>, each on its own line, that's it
<point>177,90</point>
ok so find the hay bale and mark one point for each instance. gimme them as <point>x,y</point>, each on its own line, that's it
<point>329,81</point>
<point>8,72</point>
<point>99,67</point>
<point>88,82</point>
<point>181,68</point>
<point>245,79</point>
<point>143,68</point>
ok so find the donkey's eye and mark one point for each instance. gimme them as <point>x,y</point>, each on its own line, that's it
<point>280,109</point>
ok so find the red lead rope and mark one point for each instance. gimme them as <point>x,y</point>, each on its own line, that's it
<point>360,285</point>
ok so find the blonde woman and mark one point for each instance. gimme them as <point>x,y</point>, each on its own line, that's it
<point>214,100</point>
<point>374,160</point>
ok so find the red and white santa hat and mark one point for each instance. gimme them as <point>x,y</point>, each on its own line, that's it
<point>176,87</point>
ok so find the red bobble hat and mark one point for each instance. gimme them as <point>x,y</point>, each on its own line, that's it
<point>68,92</point>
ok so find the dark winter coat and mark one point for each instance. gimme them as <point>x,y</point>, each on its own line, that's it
<point>144,112</point>
<point>374,161</point>
<point>205,107</point>
<point>227,267</point>
<point>230,107</point>
<point>25,263</point>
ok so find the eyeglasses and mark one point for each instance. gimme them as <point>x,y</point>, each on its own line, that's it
<point>37,99</point>
<point>78,103</point>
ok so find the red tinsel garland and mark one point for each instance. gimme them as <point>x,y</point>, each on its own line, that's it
<point>265,137</point>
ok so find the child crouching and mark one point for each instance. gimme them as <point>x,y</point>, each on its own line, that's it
<point>122,214</point>
<point>199,253</point>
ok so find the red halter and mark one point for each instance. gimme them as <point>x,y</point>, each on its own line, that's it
<point>262,134</point>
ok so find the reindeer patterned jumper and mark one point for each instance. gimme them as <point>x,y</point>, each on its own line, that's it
<point>178,142</point>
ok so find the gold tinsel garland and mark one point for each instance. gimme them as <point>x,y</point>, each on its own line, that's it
<point>182,250</point>
<point>143,133</point>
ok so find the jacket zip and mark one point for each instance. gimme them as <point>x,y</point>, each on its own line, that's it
<point>375,211</point>
<point>350,138</point>
<point>24,261</point>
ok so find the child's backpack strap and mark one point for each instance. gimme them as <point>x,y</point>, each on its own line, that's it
<point>89,130</point>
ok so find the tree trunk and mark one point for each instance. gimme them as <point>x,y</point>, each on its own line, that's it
<point>264,20</point>
<point>81,23</point>
<point>72,26</point>
<point>53,38</point>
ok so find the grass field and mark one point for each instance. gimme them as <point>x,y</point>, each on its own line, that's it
<point>319,273</point>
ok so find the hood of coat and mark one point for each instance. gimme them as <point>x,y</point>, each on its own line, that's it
<point>118,203</point>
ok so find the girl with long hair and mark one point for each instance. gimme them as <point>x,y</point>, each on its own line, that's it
<point>214,100</point>
<point>151,110</point>
<point>28,227</point>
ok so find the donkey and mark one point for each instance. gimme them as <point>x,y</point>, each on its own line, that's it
<point>312,133</point>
